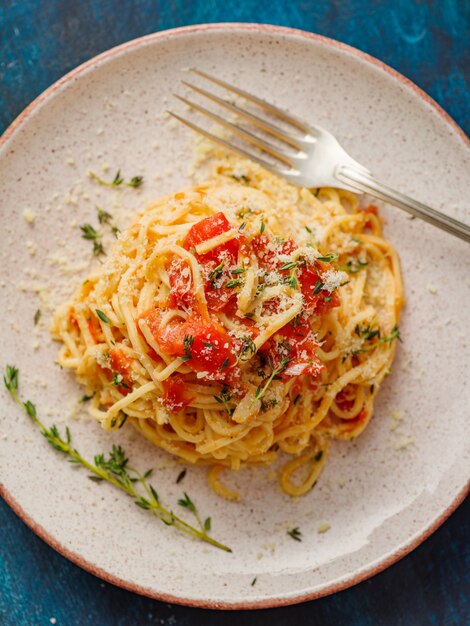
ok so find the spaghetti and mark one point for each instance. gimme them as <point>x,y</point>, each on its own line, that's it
<point>238,319</point>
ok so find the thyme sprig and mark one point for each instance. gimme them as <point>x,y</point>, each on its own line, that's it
<point>118,180</point>
<point>276,371</point>
<point>368,334</point>
<point>115,469</point>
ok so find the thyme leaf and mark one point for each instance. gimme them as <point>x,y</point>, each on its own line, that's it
<point>247,350</point>
<point>289,265</point>
<point>233,282</point>
<point>180,476</point>
<point>295,533</point>
<point>118,381</point>
<point>90,233</point>
<point>103,317</point>
<point>187,344</point>
<point>224,398</point>
<point>216,274</point>
<point>331,256</point>
<point>353,266</point>
<point>103,216</point>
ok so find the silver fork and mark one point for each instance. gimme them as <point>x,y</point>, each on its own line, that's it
<point>305,155</point>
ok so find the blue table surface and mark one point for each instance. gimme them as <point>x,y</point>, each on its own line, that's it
<point>428,43</point>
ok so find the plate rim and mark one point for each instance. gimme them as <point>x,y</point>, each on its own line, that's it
<point>274,602</point>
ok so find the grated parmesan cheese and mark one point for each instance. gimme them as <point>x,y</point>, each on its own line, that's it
<point>29,216</point>
<point>31,247</point>
<point>323,528</point>
<point>332,280</point>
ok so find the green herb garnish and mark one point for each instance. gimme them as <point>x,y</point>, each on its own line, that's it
<point>247,350</point>
<point>103,216</point>
<point>318,287</point>
<point>88,232</point>
<point>103,317</point>
<point>210,345</point>
<point>241,178</point>
<point>273,376</point>
<point>115,469</point>
<point>118,381</point>
<point>395,334</point>
<point>331,256</point>
<point>290,280</point>
<point>289,265</point>
<point>37,317</point>
<point>187,345</point>
<point>295,534</point>
<point>353,266</point>
<point>216,274</point>
<point>118,180</point>
<point>181,475</point>
<point>224,398</point>
<point>233,282</point>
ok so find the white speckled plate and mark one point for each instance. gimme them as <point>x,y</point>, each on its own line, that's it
<point>110,112</point>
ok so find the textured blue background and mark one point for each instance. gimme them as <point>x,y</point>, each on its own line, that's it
<point>426,41</point>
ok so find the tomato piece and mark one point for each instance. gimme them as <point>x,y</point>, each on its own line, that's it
<point>316,303</point>
<point>267,253</point>
<point>175,395</point>
<point>209,346</point>
<point>300,350</point>
<point>216,263</point>
<point>207,229</point>
<point>296,342</point>
<point>181,284</point>
<point>120,362</point>
<point>218,299</point>
<point>211,349</point>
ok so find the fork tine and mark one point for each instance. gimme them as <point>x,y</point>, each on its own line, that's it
<point>253,157</point>
<point>258,121</point>
<point>264,145</point>
<point>294,121</point>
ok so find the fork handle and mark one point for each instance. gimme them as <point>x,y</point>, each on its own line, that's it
<point>363,181</point>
